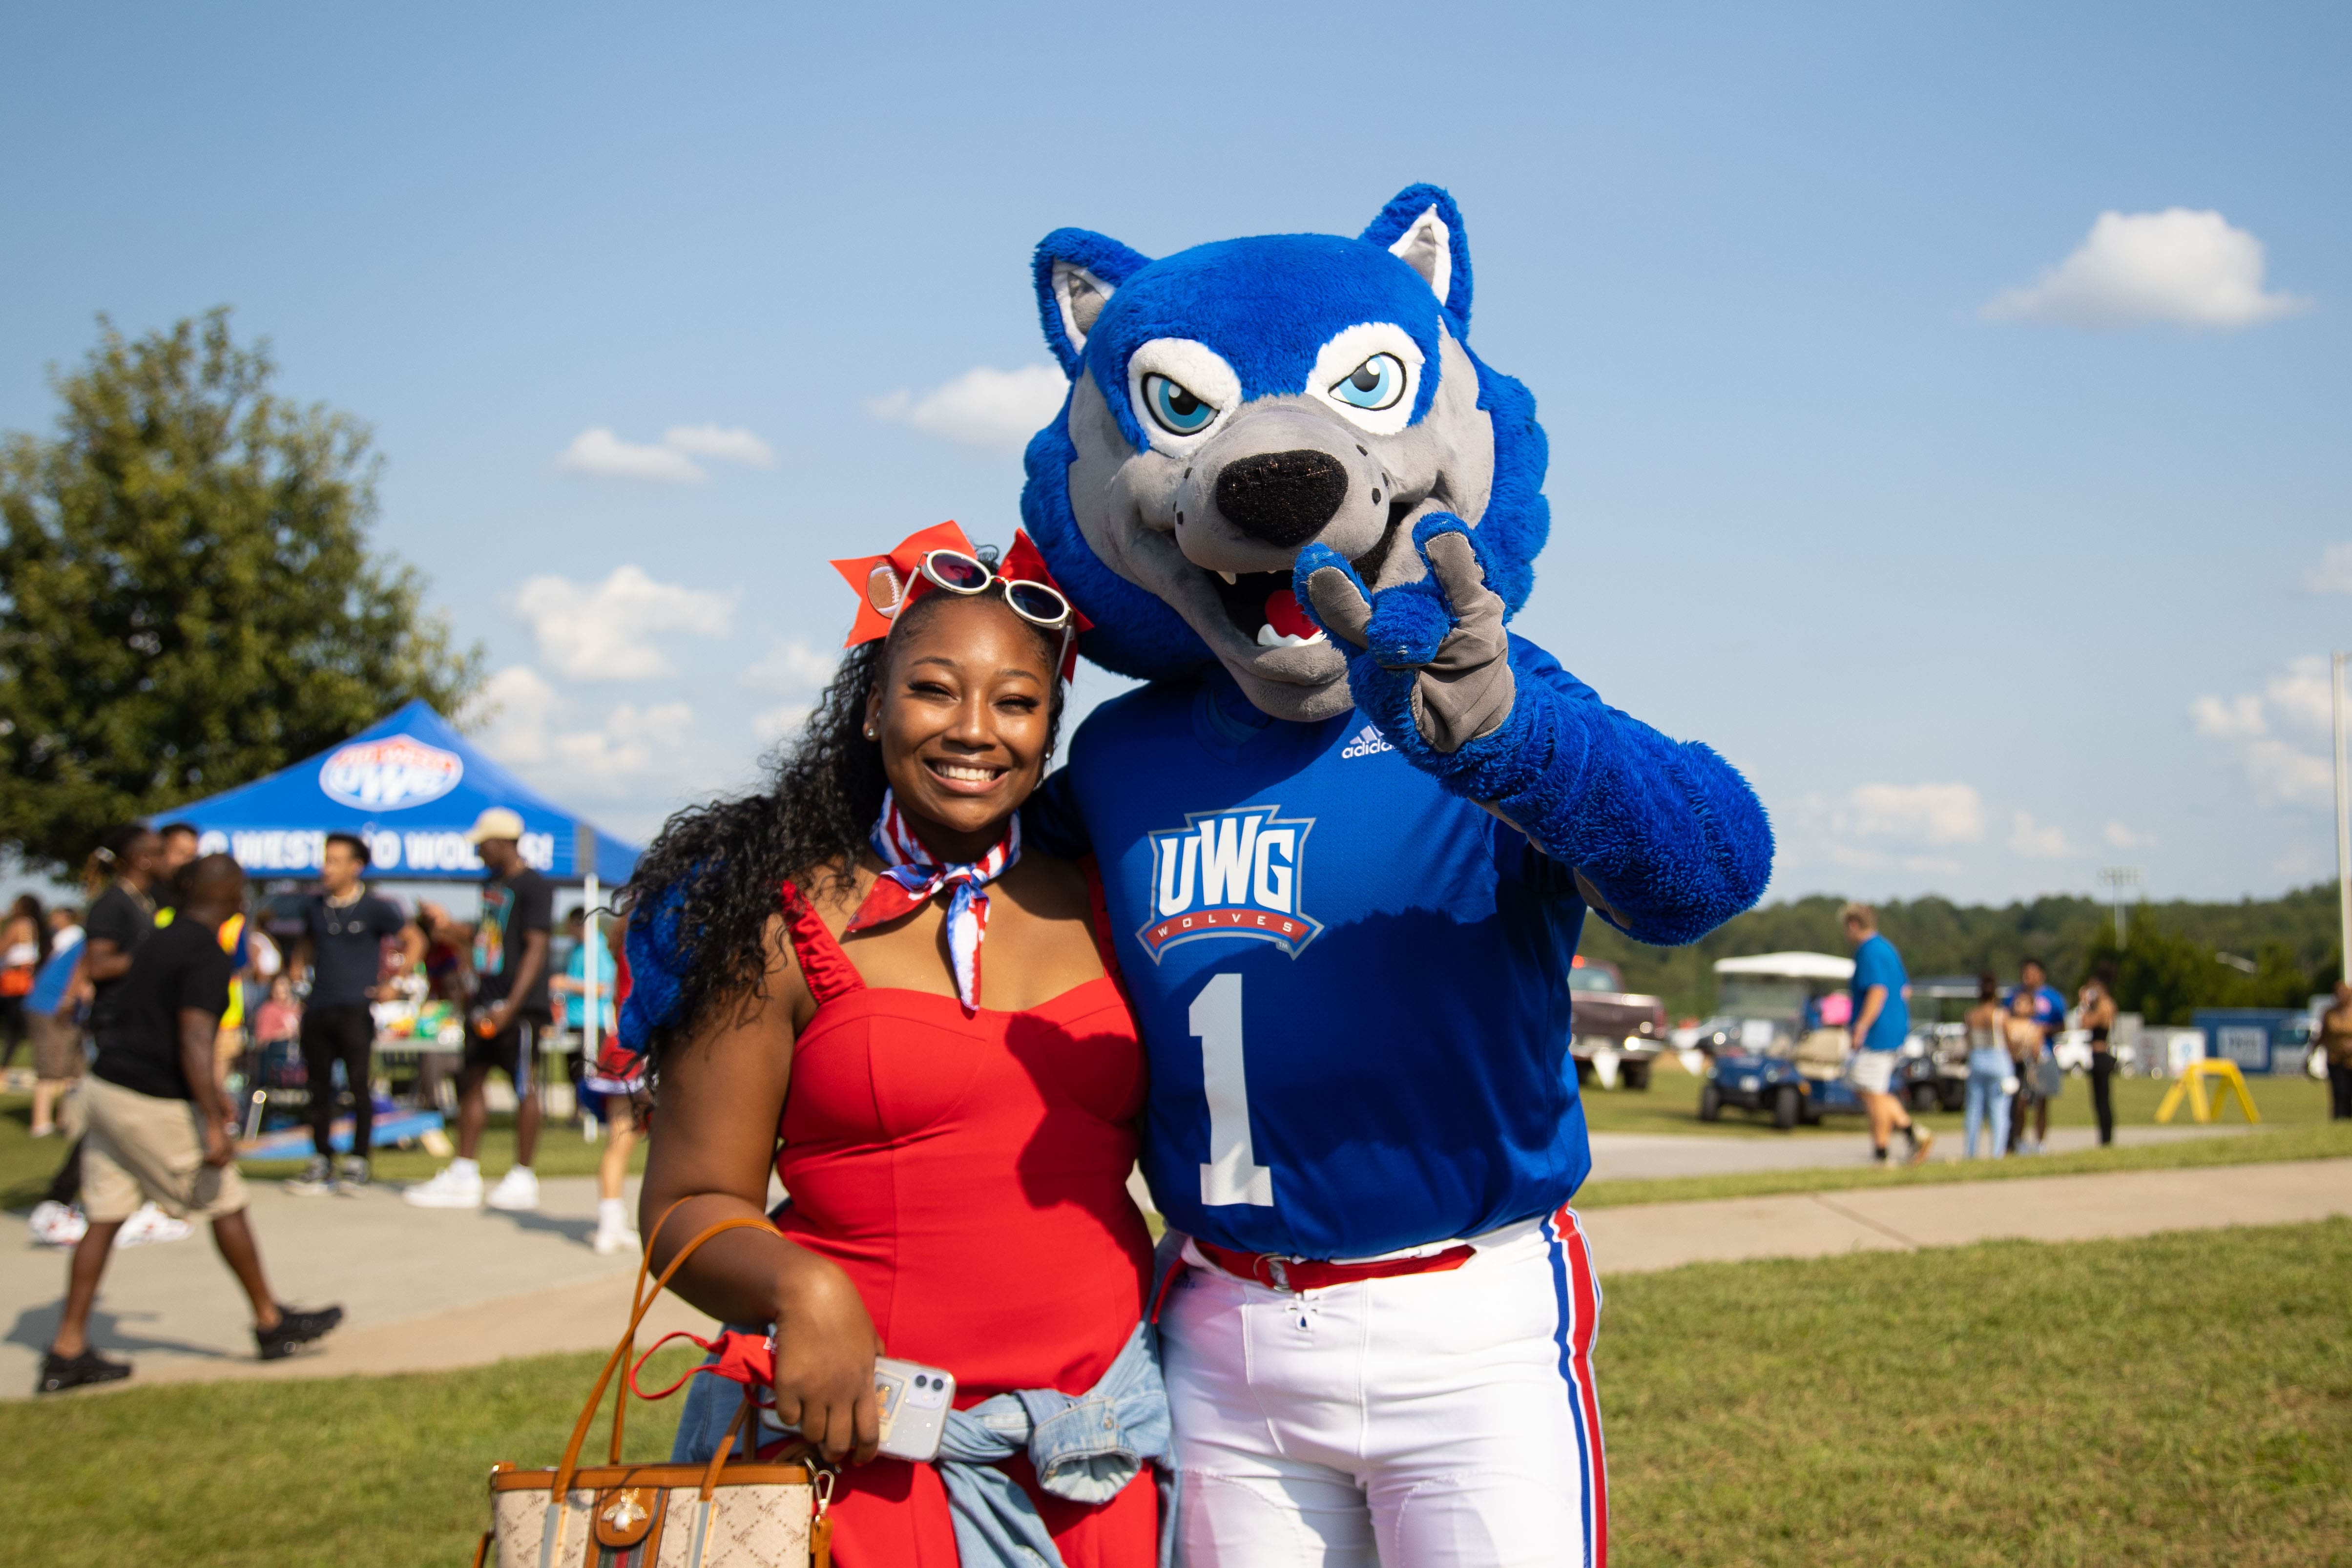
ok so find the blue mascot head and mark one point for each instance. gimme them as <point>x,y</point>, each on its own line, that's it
<point>1235,401</point>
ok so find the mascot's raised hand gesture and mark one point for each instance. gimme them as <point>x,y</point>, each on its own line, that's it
<point>1434,655</point>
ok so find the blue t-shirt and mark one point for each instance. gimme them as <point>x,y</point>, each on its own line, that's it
<point>48,991</point>
<point>1352,984</point>
<point>575,1005</point>
<point>1876,962</point>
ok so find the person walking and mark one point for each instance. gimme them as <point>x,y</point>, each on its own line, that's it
<point>2097,1004</point>
<point>2034,1091</point>
<point>617,1078</point>
<point>1882,1020</point>
<point>2336,1038</point>
<point>53,1018</point>
<point>24,944</point>
<point>161,1130</point>
<point>340,951</point>
<point>510,1013</point>
<point>1991,1075</point>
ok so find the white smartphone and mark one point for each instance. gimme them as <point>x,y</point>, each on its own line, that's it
<point>915,1400</point>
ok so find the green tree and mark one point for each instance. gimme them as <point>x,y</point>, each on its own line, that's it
<point>187,600</point>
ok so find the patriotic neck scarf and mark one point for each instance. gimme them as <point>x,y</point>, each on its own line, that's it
<point>912,876</point>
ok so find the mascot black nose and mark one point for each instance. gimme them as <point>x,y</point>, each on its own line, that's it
<point>1282,498</point>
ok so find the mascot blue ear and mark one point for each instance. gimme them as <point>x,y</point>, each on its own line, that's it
<point>1076,272</point>
<point>1423,227</point>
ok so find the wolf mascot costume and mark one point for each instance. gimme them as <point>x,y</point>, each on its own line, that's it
<point>1349,832</point>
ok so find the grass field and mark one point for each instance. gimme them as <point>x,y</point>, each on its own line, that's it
<point>26,1163</point>
<point>2183,1399</point>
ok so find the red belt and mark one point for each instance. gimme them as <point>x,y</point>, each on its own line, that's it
<point>1296,1274</point>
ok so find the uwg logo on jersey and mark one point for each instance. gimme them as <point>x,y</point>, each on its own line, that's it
<point>1229,873</point>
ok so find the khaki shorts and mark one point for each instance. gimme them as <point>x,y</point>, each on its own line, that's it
<point>141,1149</point>
<point>1872,1073</point>
<point>57,1049</point>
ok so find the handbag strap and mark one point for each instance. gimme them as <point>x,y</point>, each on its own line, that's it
<point>621,1352</point>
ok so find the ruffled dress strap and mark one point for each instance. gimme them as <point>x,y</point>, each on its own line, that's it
<point>823,965</point>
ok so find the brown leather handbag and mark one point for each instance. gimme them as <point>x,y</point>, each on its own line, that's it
<point>716,1515</point>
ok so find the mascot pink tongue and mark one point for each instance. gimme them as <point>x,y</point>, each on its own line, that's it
<point>1349,873</point>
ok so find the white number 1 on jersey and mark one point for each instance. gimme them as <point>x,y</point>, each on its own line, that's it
<point>1232,1174</point>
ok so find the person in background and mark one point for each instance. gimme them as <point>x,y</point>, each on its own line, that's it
<point>616,1077</point>
<point>1882,1020</point>
<point>1990,1071</point>
<point>53,1018</point>
<point>24,943</point>
<point>161,1130</point>
<point>2336,1039</point>
<point>2049,1017</point>
<point>278,1020</point>
<point>446,941</point>
<point>511,1013</point>
<point>177,847</point>
<point>124,873</point>
<point>341,953</point>
<point>2097,1002</point>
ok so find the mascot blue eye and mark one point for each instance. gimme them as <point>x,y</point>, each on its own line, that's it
<point>1179,412</point>
<point>1377,383</point>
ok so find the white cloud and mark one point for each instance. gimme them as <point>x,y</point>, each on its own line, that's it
<point>998,410</point>
<point>624,751</point>
<point>2037,841</point>
<point>2333,572</point>
<point>789,668</point>
<point>2123,837</point>
<point>2282,736</point>
<point>1924,814</point>
<point>773,724</point>
<point>597,451</point>
<point>604,631</point>
<point>512,710</point>
<point>2180,266</point>
<point>728,443</point>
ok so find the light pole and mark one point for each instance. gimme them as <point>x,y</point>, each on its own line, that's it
<point>2116,879</point>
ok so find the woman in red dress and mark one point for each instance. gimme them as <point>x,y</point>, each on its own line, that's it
<point>955,1135</point>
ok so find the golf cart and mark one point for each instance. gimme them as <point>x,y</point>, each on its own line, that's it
<point>1775,1052</point>
<point>1937,1077</point>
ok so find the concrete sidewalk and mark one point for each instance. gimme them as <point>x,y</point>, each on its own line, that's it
<point>1622,1156</point>
<point>1644,1237</point>
<point>420,1289</point>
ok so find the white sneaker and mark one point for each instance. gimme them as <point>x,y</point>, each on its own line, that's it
<point>54,1224</point>
<point>614,1238</point>
<point>450,1188</point>
<point>151,1224</point>
<point>517,1190</point>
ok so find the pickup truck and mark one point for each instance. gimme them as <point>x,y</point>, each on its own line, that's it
<point>1614,1033</point>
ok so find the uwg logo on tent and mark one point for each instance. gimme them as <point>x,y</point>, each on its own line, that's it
<point>1229,873</point>
<point>390,775</point>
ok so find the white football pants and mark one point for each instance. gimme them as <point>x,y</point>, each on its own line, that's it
<point>1422,1421</point>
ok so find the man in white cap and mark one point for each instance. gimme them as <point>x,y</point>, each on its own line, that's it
<point>510,1011</point>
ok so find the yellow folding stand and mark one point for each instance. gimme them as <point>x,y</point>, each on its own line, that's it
<point>2226,1078</point>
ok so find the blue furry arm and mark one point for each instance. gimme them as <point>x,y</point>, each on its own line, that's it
<point>656,970</point>
<point>1666,839</point>
<point>1050,820</point>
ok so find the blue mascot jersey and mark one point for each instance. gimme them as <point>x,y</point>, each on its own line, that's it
<point>1353,985</point>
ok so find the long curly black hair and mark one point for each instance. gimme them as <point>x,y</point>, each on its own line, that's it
<point>710,883</point>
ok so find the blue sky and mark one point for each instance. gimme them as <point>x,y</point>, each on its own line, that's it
<point>1989,565</point>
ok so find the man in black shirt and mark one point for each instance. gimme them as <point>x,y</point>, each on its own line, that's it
<point>343,929</point>
<point>511,1013</point>
<point>161,1132</point>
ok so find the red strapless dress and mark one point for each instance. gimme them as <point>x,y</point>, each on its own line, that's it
<point>969,1174</point>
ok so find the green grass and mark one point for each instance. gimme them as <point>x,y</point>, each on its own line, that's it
<point>2182,1399</point>
<point>1671,1105</point>
<point>2323,1142</point>
<point>27,1163</point>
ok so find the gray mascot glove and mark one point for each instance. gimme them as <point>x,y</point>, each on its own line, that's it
<point>1433,650</point>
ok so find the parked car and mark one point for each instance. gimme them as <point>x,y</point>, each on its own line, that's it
<point>1614,1033</point>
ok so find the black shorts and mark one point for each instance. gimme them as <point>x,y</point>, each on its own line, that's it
<point>514,1053</point>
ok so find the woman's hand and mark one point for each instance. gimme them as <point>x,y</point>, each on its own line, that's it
<point>825,1346</point>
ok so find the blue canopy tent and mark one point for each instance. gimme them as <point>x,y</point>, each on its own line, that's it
<point>409,785</point>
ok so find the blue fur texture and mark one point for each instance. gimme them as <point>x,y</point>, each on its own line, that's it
<point>1266,304</point>
<point>656,960</point>
<point>1667,833</point>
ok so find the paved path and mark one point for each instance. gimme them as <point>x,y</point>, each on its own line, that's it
<point>427,1290</point>
<point>1645,1237</point>
<point>421,1289</point>
<point>1619,1156</point>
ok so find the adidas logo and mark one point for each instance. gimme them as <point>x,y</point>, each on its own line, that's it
<point>1368,742</point>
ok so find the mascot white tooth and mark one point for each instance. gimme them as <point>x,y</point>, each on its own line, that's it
<point>1349,832</point>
